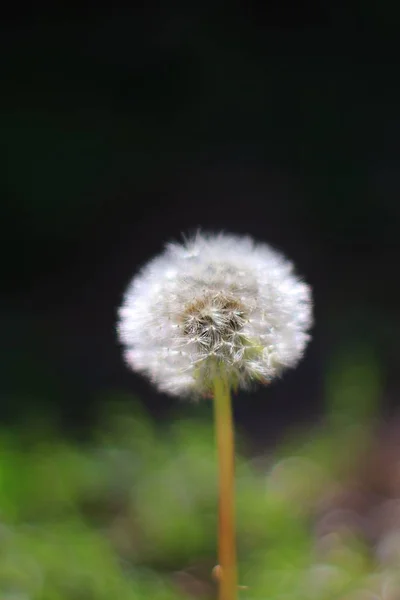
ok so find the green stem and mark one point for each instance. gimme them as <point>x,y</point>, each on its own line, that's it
<point>225,445</point>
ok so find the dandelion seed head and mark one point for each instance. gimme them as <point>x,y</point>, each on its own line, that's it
<point>214,300</point>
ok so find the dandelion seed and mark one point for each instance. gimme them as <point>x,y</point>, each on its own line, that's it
<point>216,298</point>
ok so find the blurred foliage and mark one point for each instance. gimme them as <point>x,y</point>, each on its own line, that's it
<point>131,513</point>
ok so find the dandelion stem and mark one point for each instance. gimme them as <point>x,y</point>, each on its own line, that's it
<point>226,528</point>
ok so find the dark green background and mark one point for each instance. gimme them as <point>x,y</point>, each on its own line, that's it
<point>120,129</point>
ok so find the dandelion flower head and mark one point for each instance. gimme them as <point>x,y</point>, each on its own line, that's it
<point>215,301</point>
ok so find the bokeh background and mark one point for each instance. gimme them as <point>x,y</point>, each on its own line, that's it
<point>123,128</point>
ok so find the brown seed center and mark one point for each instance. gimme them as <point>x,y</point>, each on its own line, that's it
<point>213,320</point>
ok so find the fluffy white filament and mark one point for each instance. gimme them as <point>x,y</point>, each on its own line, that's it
<point>215,301</point>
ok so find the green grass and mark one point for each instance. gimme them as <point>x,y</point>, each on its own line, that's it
<point>132,512</point>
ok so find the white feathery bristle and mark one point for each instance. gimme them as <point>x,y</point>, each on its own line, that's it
<point>214,300</point>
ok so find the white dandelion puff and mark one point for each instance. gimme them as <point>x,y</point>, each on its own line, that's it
<point>214,300</point>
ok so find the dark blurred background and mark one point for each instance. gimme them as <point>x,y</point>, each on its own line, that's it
<point>124,128</point>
